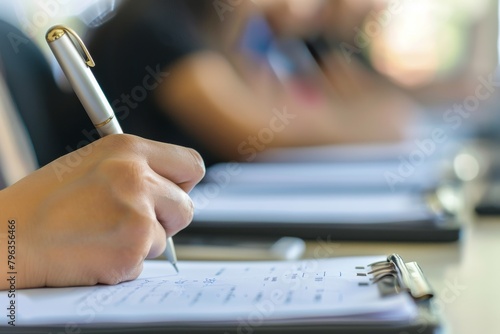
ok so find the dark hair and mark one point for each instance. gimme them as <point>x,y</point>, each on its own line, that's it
<point>202,10</point>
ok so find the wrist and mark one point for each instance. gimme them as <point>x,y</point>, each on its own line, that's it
<point>4,258</point>
<point>16,268</point>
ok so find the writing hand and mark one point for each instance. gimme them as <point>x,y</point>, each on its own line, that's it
<point>94,215</point>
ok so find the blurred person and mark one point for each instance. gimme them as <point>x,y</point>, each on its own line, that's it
<point>442,54</point>
<point>179,72</point>
<point>91,216</point>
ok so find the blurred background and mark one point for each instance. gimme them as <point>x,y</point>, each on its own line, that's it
<point>437,53</point>
<point>345,72</point>
<point>435,50</point>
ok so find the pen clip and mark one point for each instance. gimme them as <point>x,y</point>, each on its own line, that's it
<point>58,31</point>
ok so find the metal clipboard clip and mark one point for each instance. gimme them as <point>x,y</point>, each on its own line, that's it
<point>394,276</point>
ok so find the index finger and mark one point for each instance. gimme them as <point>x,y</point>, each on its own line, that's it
<point>181,165</point>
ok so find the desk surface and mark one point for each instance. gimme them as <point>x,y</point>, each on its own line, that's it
<point>465,274</point>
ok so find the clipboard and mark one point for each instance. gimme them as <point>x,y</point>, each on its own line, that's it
<point>310,200</point>
<point>387,280</point>
<point>489,202</point>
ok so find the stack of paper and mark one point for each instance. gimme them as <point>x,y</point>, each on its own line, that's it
<point>229,294</point>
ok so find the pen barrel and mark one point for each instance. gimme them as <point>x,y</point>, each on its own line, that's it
<point>85,86</point>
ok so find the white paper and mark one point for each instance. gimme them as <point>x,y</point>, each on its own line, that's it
<point>388,175</point>
<point>371,152</point>
<point>307,291</point>
<point>296,207</point>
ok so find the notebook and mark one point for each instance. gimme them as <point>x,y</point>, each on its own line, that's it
<point>488,203</point>
<point>344,201</point>
<point>322,295</point>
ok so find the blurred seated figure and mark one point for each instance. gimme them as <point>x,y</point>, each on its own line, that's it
<point>221,78</point>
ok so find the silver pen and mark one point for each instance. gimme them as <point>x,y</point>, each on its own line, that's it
<point>76,64</point>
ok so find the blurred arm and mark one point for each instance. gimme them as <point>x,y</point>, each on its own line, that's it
<point>212,102</point>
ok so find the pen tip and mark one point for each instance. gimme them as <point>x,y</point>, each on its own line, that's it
<point>175,267</point>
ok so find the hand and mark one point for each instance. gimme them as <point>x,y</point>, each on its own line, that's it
<point>94,215</point>
<point>301,18</point>
<point>370,107</point>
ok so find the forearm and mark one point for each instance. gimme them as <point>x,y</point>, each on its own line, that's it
<point>227,114</point>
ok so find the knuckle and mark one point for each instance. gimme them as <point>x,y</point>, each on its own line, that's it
<point>131,257</point>
<point>177,213</point>
<point>123,174</point>
<point>133,173</point>
<point>198,164</point>
<point>189,209</point>
<point>159,245</point>
<point>126,263</point>
<point>134,272</point>
<point>110,279</point>
<point>186,211</point>
<point>125,270</point>
<point>187,167</point>
<point>118,143</point>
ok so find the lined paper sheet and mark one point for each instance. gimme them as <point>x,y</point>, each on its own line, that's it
<point>307,291</point>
